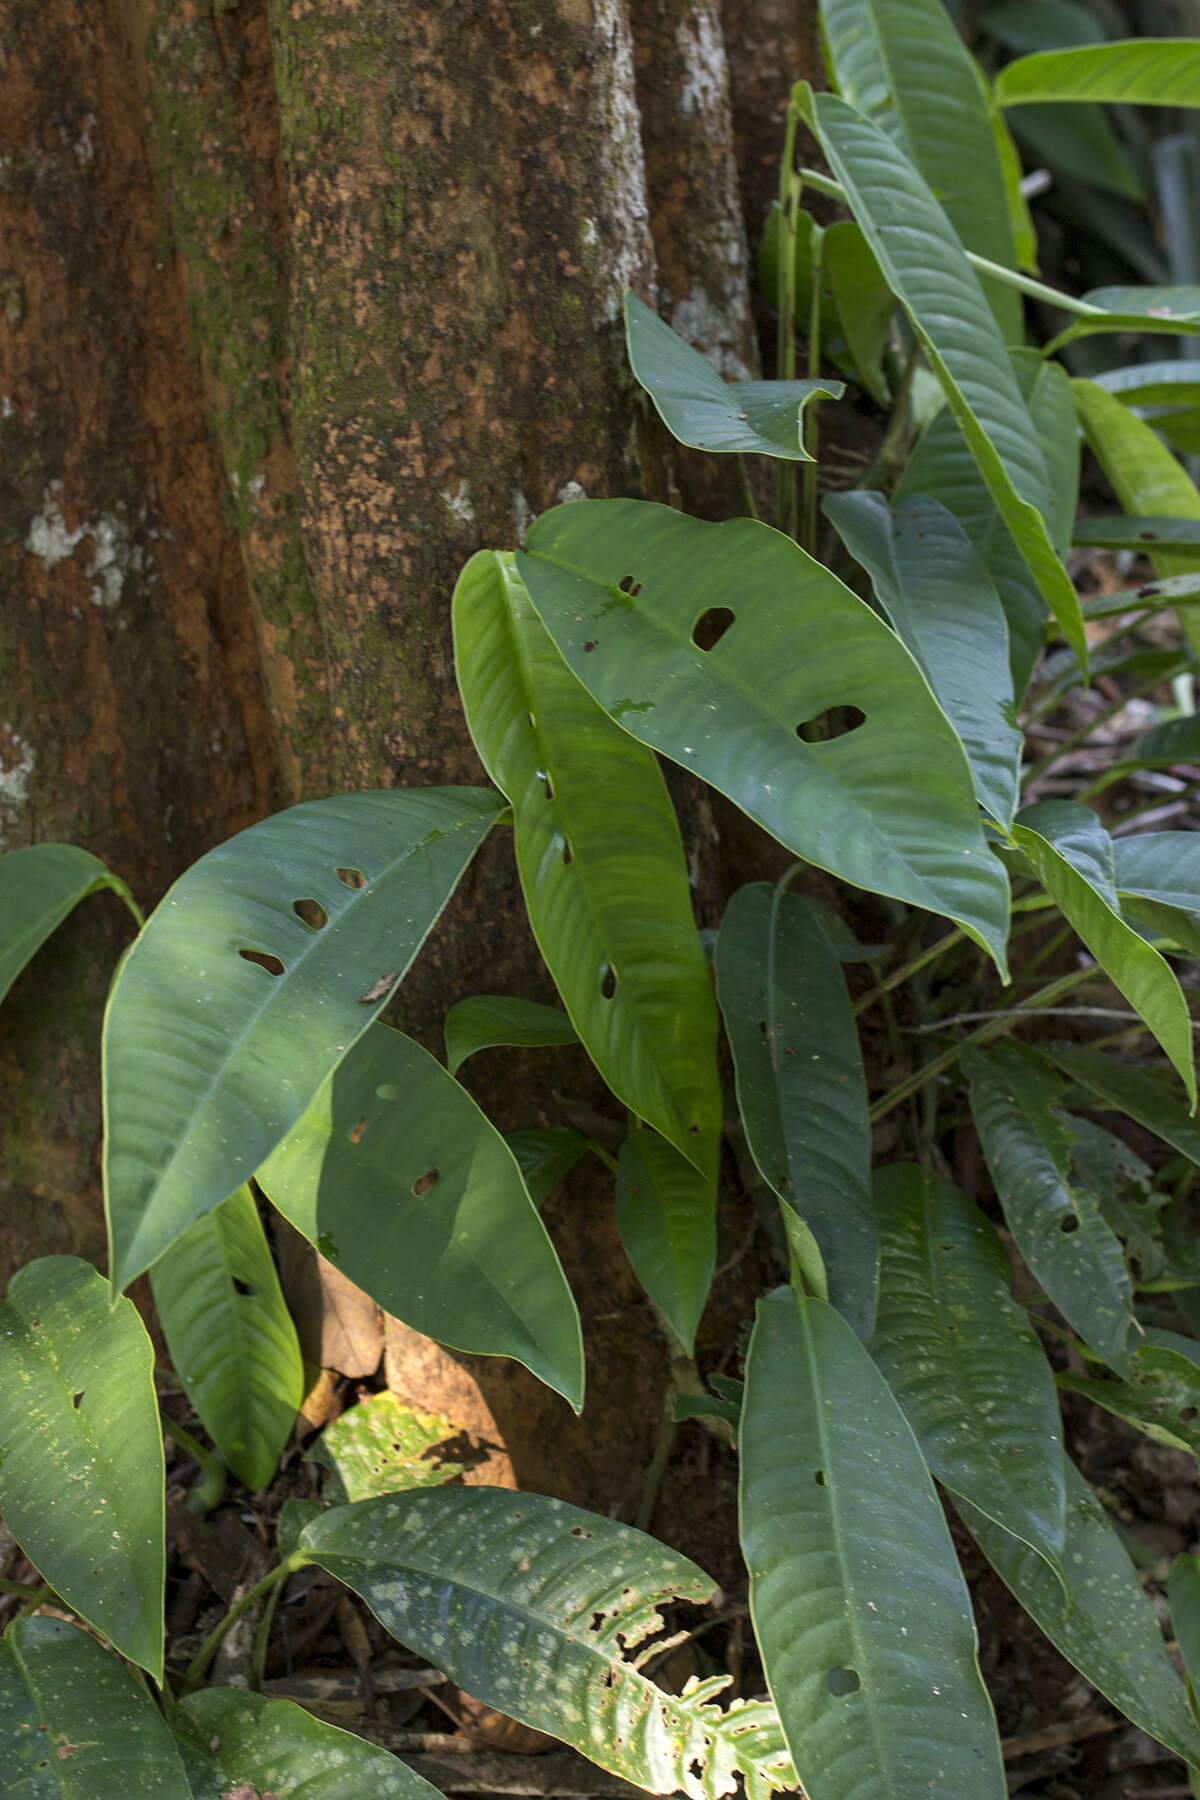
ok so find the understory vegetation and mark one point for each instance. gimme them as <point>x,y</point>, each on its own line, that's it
<point>925,686</point>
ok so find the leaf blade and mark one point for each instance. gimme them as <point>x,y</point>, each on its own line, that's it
<point>666,1215</point>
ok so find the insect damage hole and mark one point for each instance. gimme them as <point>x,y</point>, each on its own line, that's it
<point>1068,1223</point>
<point>711,627</point>
<point>834,722</point>
<point>245,1288</point>
<point>629,586</point>
<point>312,913</point>
<point>423,1183</point>
<point>263,959</point>
<point>843,1681</point>
<point>351,878</point>
<point>819,1477</point>
<point>77,1400</point>
<point>567,855</point>
<point>608,985</point>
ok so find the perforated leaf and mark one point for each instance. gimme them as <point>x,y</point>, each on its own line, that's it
<point>1136,71</point>
<point>700,409</point>
<point>81,1457</point>
<point>667,1219</point>
<point>231,1337</point>
<point>963,1360</point>
<point>859,1607</point>
<point>1146,533</point>
<point>605,885</point>
<point>484,1020</point>
<point>532,1606</point>
<point>800,1084</point>
<point>209,1057</point>
<point>1163,1399</point>
<point>1134,1092</point>
<point>623,587</point>
<point>380,1445</point>
<point>397,1177</point>
<point>39,886</point>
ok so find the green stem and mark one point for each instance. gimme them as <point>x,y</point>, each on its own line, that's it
<point>212,1643</point>
<point>888,454</point>
<point>263,1638</point>
<point>909,968</point>
<point>751,508</point>
<point>26,1592</point>
<point>206,1492</point>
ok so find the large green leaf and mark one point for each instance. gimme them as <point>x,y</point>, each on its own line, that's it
<point>928,272</point>
<point>81,1457</point>
<point>1078,141</point>
<point>484,1020</point>
<point>800,1085</point>
<point>933,585</point>
<point>231,1336</point>
<point>902,63</point>
<point>273,1747</point>
<point>396,1176</point>
<point>700,409</point>
<point>1154,311</point>
<point>1154,384</point>
<point>531,1605</point>
<point>605,883</point>
<point>39,886</point>
<point>1135,72</point>
<point>1072,856</point>
<point>1140,1096</point>
<point>942,466</point>
<point>1057,1228</point>
<point>209,1057</point>
<point>1158,879</point>
<point>1183,1592</point>
<point>667,1219</point>
<point>1163,1399</point>
<point>864,301</point>
<point>545,1153</point>
<point>380,1446</point>
<point>1108,1628</point>
<point>1139,533</point>
<point>859,1607</point>
<point>623,587</point>
<point>963,1360</point>
<point>76,1724</point>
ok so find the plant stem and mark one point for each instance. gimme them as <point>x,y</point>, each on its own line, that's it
<point>887,455</point>
<point>909,968</point>
<point>26,1592</point>
<point>751,508</point>
<point>208,1489</point>
<point>263,1637</point>
<point>212,1643</point>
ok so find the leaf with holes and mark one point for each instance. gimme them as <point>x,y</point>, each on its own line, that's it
<point>700,409</point>
<point>606,886</point>
<point>800,1085</point>
<point>1071,854</point>
<point>963,1360</point>
<point>545,1153</point>
<point>247,987</point>
<point>76,1724</point>
<point>39,886</point>
<point>1139,1095</point>
<point>1108,1629</point>
<point>231,1337</point>
<point>396,1176</point>
<point>1163,1399</point>
<point>859,1607</point>
<point>485,1020</point>
<point>1143,533</point>
<point>935,590</point>
<point>1058,1228</point>
<point>928,272</point>
<point>380,1446</point>
<point>942,465</point>
<point>254,1745</point>
<point>531,1606</point>
<point>1136,72</point>
<point>81,1458</point>
<point>718,644</point>
<point>667,1219</point>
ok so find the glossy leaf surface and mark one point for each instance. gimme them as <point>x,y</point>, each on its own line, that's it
<point>1132,72</point>
<point>1183,1592</point>
<point>380,1446</point>
<point>862,298</point>
<point>1154,311</point>
<point>1133,533</point>
<point>39,886</point>
<point>1058,1228</point>
<point>667,1219</point>
<point>396,1176</point>
<point>859,1606</point>
<point>231,1337</point>
<point>887,805</point>
<point>700,409</point>
<point>1131,1091</point>
<point>1158,872</point>
<point>81,1469</point>
<point>932,584</point>
<point>1108,1630</point>
<point>483,1021</point>
<point>800,1084</point>
<point>273,1747</point>
<point>209,1057</point>
<point>962,1359</point>
<point>531,1605</point>
<point>606,886</point>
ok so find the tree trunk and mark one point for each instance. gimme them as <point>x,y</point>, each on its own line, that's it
<point>308,299</point>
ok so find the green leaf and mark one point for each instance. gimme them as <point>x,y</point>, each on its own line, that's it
<point>1163,1399</point>
<point>1019,216</point>
<point>859,1607</point>
<point>531,1605</point>
<point>81,1457</point>
<point>485,1020</point>
<point>864,301</point>
<point>605,885</point>
<point>231,1337</point>
<point>1183,1593</point>
<point>278,1748</point>
<point>1137,533</point>
<point>962,1359</point>
<point>699,408</point>
<point>76,1724</point>
<point>397,1177</point>
<point>1132,72</point>
<point>667,1219</point>
<point>942,465</point>
<point>1139,1096</point>
<point>887,806</point>
<point>1058,1228</point>
<point>1154,311</point>
<point>940,600</point>
<point>39,886</point>
<point>800,1085</point>
<point>380,1446</point>
<point>902,63</point>
<point>1025,25</point>
<point>1153,384</point>
<point>1072,856</point>
<point>1109,1630</point>
<point>1078,142</point>
<point>545,1153</point>
<point>931,277</point>
<point>294,1515</point>
<point>208,1057</point>
<point>1158,877</point>
<point>1175,741</point>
